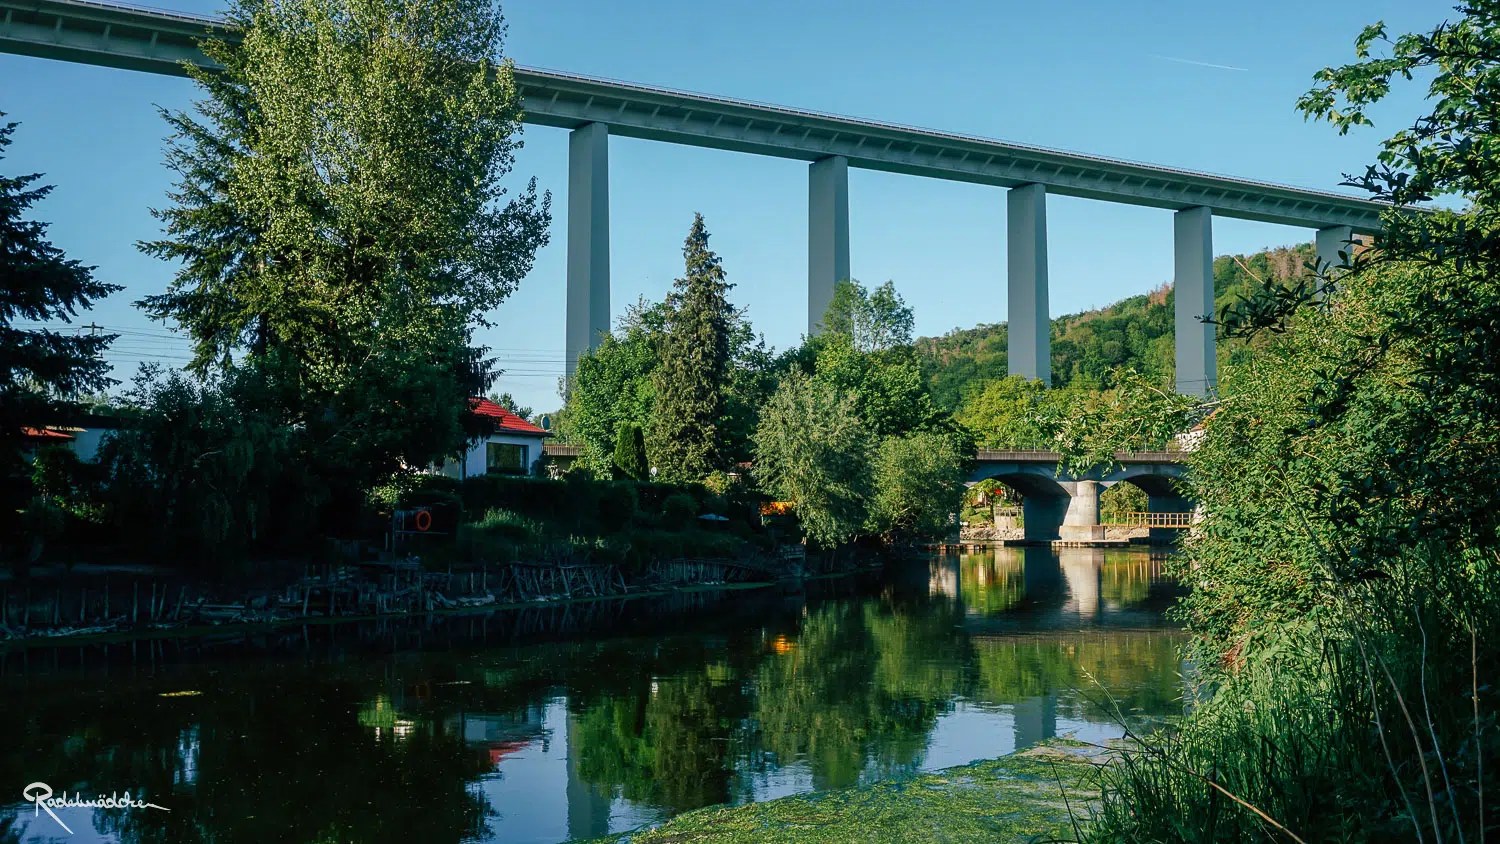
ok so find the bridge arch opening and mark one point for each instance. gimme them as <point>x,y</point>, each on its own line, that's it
<point>1147,500</point>
<point>1044,504</point>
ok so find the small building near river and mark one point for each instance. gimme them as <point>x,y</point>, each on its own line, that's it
<point>514,447</point>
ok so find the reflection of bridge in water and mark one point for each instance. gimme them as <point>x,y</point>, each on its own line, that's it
<point>1040,588</point>
<point>1016,603</point>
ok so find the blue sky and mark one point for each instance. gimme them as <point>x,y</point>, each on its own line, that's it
<point>1196,84</point>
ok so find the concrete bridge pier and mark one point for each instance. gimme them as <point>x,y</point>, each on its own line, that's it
<point>1043,514</point>
<point>1029,347</point>
<point>588,241</point>
<point>1330,242</point>
<point>1081,521</point>
<point>1193,288</point>
<point>1069,514</point>
<point>827,234</point>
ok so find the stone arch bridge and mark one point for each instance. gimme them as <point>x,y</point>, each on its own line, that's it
<point>1057,505</point>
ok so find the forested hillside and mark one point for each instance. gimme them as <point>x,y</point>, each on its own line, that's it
<point>1135,333</point>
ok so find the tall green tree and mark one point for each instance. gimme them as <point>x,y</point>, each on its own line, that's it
<point>1007,412</point>
<point>41,369</point>
<point>873,320</point>
<point>917,484</point>
<point>1345,588</point>
<point>693,375</point>
<point>813,449</point>
<point>339,217</point>
<point>508,401</point>
<point>613,386</point>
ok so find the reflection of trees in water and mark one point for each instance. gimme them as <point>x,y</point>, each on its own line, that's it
<point>268,758</point>
<point>991,584</point>
<point>366,748</point>
<point>667,743</point>
<point>863,683</point>
<point>1138,668</point>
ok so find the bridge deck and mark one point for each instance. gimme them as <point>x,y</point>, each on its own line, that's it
<point>157,41</point>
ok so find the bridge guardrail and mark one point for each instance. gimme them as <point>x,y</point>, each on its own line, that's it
<point>1042,455</point>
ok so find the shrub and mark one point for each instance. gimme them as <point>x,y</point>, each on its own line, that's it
<point>630,452</point>
<point>679,510</point>
<point>617,504</point>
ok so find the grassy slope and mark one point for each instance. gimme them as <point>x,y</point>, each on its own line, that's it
<point>1014,798</point>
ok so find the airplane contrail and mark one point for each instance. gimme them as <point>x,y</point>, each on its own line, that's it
<point>1199,64</point>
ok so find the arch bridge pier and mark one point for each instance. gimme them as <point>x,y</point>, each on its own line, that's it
<point>1059,506</point>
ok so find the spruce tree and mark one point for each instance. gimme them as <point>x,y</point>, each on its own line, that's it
<point>40,369</point>
<point>630,452</point>
<point>693,375</point>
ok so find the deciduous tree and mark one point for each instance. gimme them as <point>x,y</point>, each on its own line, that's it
<point>339,217</point>
<point>812,449</point>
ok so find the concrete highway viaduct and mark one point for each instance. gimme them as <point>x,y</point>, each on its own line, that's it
<point>155,41</point>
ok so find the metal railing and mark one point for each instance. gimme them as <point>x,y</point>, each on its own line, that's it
<point>1179,521</point>
<point>1173,453</point>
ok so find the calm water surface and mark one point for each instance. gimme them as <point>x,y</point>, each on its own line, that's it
<point>548,726</point>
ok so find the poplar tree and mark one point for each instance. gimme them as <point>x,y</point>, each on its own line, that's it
<point>40,368</point>
<point>339,219</point>
<point>693,375</point>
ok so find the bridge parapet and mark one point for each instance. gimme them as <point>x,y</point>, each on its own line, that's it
<point>1039,455</point>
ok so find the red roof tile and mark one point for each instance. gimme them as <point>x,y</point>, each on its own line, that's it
<point>45,434</point>
<point>505,421</point>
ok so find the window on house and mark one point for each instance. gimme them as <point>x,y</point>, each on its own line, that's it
<point>505,457</point>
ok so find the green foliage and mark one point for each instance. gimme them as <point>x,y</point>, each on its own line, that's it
<point>205,474</point>
<point>611,388</point>
<point>508,401</point>
<point>871,321</point>
<point>813,449</point>
<point>1137,414</point>
<point>679,510</point>
<point>1346,591</point>
<point>693,368</point>
<point>614,385</point>
<point>41,371</point>
<point>1121,499</point>
<point>1009,412</point>
<point>1135,333</point>
<point>630,452</point>
<point>339,219</point>
<point>887,386</point>
<point>917,485</point>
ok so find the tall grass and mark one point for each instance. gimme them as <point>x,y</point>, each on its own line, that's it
<point>1369,725</point>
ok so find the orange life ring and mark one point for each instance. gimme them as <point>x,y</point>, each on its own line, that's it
<point>424,519</point>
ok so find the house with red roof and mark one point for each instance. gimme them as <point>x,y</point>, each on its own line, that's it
<point>513,447</point>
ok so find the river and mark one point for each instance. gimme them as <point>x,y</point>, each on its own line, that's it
<point>567,723</point>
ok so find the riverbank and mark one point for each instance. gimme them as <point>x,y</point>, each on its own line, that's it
<point>1036,794</point>
<point>20,640</point>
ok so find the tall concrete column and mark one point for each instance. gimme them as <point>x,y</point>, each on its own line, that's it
<point>588,240</point>
<point>1029,347</point>
<point>1330,242</point>
<point>827,234</point>
<point>1193,287</point>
